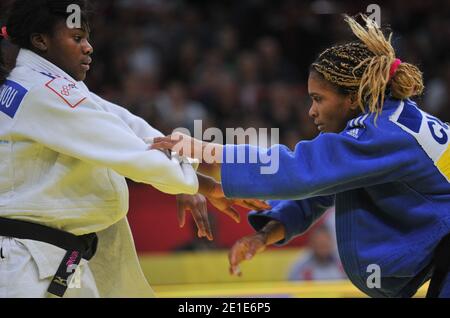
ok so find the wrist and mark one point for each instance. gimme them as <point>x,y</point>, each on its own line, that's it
<point>263,236</point>
<point>272,232</point>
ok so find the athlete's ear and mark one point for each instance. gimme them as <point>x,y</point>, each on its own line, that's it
<point>353,101</point>
<point>39,41</point>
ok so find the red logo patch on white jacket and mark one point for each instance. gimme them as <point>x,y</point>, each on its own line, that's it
<point>67,90</point>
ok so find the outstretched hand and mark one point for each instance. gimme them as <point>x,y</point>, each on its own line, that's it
<point>188,146</point>
<point>196,204</point>
<point>245,249</point>
<point>248,246</point>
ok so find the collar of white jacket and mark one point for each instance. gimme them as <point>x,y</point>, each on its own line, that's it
<point>38,63</point>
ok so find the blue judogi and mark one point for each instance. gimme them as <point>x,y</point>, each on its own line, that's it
<point>388,178</point>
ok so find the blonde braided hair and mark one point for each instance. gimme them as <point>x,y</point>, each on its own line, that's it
<point>363,68</point>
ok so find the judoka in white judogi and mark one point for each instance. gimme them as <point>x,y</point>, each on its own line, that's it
<point>64,153</point>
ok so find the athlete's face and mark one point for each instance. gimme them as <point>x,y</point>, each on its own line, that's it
<point>69,49</point>
<point>330,110</point>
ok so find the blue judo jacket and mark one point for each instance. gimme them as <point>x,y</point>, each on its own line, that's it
<point>389,180</point>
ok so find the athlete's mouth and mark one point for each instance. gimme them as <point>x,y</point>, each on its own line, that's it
<point>86,64</point>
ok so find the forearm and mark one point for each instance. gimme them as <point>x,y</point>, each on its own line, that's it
<point>206,184</point>
<point>210,169</point>
<point>296,215</point>
<point>210,165</point>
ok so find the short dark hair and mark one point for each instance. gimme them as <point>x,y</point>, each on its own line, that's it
<point>25,17</point>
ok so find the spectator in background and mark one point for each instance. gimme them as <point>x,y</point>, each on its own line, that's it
<point>187,59</point>
<point>227,41</point>
<point>280,104</point>
<point>177,110</point>
<point>142,57</point>
<point>248,68</point>
<point>320,261</point>
<point>141,92</point>
<point>274,66</point>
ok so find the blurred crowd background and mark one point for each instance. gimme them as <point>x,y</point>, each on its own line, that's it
<point>241,64</point>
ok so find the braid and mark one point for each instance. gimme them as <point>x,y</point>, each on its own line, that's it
<point>338,65</point>
<point>363,68</point>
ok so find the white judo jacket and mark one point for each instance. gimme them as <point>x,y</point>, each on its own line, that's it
<point>64,153</point>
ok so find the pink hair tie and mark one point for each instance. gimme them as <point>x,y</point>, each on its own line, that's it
<point>394,67</point>
<point>4,33</point>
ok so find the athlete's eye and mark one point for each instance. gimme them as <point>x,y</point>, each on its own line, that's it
<point>77,38</point>
<point>315,98</point>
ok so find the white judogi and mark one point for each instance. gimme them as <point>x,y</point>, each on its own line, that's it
<point>64,153</point>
